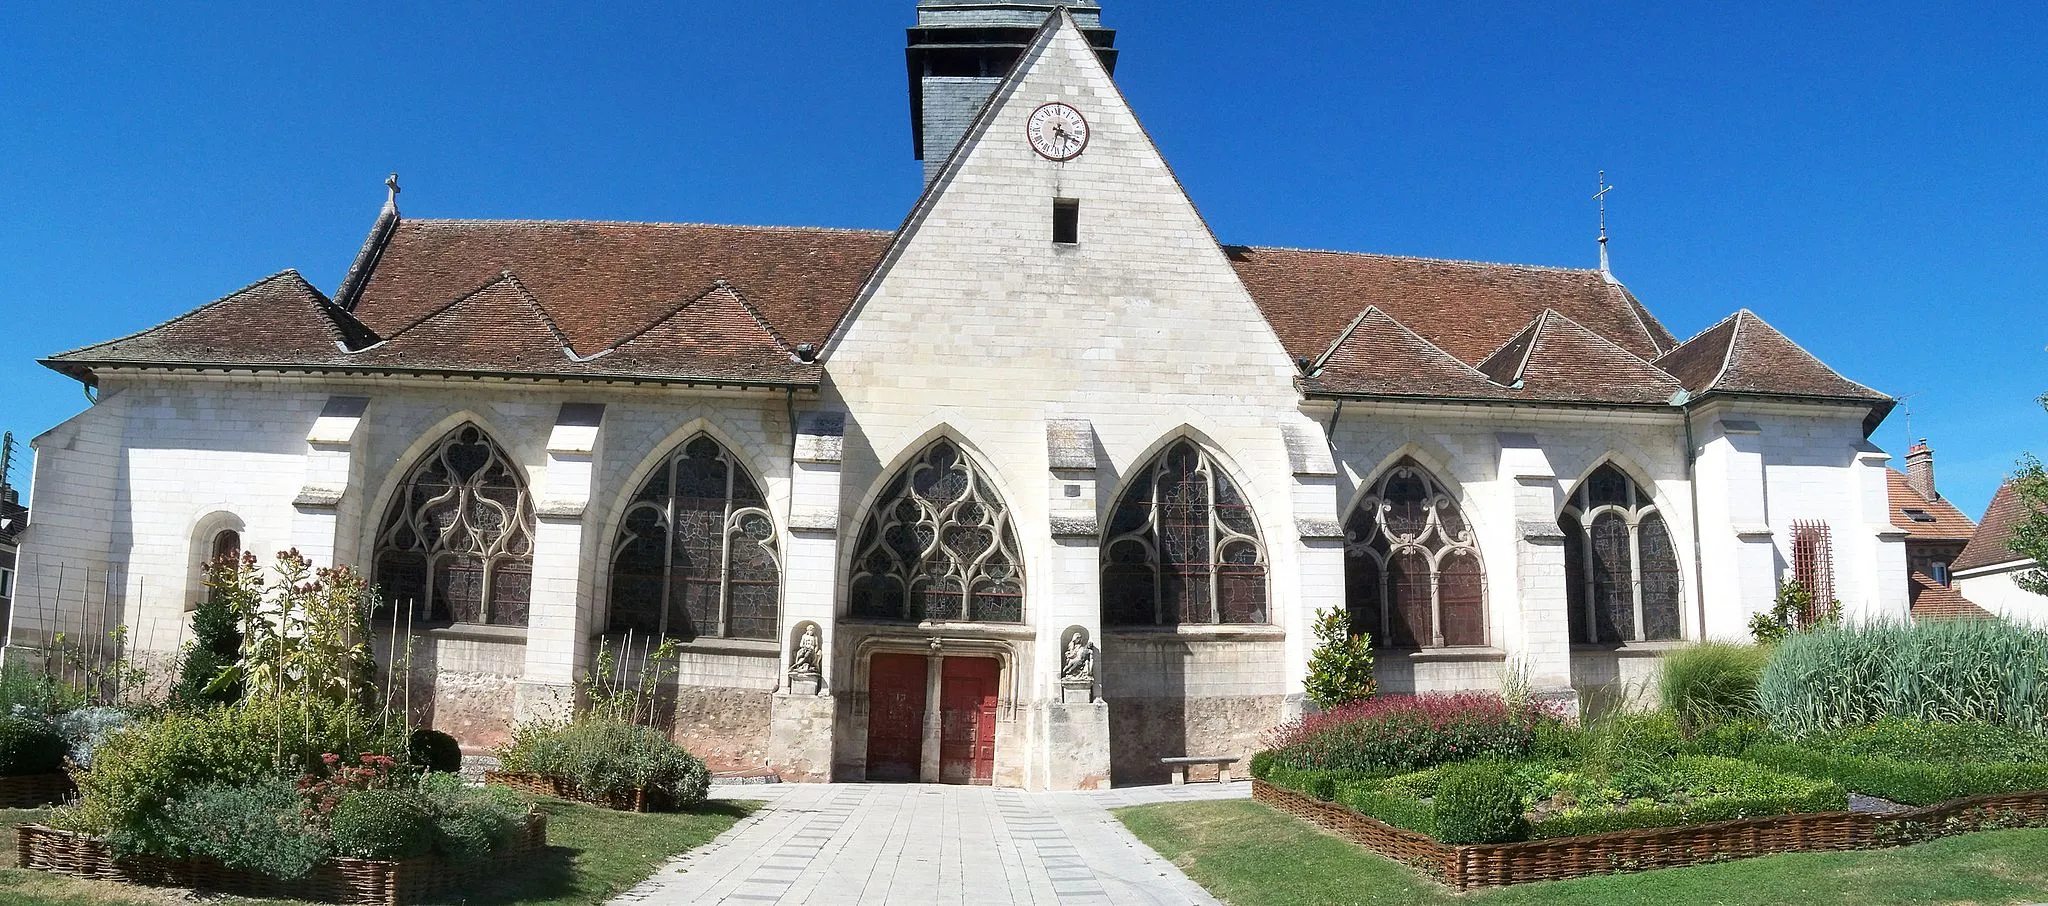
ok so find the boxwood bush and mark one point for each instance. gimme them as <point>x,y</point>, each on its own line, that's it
<point>1904,780</point>
<point>257,827</point>
<point>1479,802</point>
<point>382,824</point>
<point>29,746</point>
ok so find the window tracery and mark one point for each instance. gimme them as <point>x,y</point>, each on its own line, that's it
<point>696,551</point>
<point>1412,573</point>
<point>1182,547</point>
<point>938,545</point>
<point>457,542</point>
<point>1622,580</point>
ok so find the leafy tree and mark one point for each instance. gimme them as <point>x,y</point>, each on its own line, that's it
<point>1340,669</point>
<point>1789,612</point>
<point>2030,534</point>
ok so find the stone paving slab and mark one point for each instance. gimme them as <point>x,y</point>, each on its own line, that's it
<point>862,843</point>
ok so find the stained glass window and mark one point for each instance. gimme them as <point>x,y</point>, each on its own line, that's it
<point>457,543</point>
<point>1182,547</point>
<point>938,545</point>
<point>1622,582</point>
<point>1412,575</point>
<point>696,553</point>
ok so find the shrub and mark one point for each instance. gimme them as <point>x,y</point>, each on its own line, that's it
<point>231,590</point>
<point>1988,671</point>
<point>470,823</point>
<point>1934,741</point>
<point>254,827</point>
<point>1393,734</point>
<point>433,750</point>
<point>29,746</point>
<point>1340,668</point>
<point>29,692</point>
<point>86,728</point>
<point>605,758</point>
<point>1711,683</point>
<point>1913,782</point>
<point>382,824</point>
<point>138,772</point>
<point>1262,764</point>
<point>1479,802</point>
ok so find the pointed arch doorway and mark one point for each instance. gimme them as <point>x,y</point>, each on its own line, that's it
<point>932,718</point>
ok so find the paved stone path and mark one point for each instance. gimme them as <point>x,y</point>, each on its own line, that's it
<point>856,843</point>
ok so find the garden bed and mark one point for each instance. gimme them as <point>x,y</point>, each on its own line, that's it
<point>337,880</point>
<point>1465,867</point>
<point>634,800</point>
<point>35,790</point>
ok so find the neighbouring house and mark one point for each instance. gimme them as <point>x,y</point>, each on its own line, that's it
<point>1039,487</point>
<point>13,521</point>
<point>1985,569</point>
<point>1936,533</point>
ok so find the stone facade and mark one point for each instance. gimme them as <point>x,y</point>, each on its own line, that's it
<point>1059,371</point>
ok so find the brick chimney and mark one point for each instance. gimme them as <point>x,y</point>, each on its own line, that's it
<point>1920,470</point>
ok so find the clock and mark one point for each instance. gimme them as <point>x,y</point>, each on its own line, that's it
<point>1057,131</point>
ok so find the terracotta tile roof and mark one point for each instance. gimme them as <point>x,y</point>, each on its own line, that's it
<point>1949,523</point>
<point>1466,309</point>
<point>1742,354</point>
<point>1932,600</point>
<point>1379,356</point>
<point>707,303</point>
<point>604,281</point>
<point>1555,358</point>
<point>1990,546</point>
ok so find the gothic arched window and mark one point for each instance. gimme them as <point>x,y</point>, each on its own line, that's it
<point>938,545</point>
<point>1182,547</point>
<point>457,543</point>
<point>1621,569</point>
<point>696,551</point>
<point>1412,574</point>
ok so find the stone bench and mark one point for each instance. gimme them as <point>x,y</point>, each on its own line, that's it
<point>1180,766</point>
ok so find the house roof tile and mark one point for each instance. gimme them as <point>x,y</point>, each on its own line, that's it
<point>1931,600</point>
<point>1556,358</point>
<point>1992,544</point>
<point>1949,523</point>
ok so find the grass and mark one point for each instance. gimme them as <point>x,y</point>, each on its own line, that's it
<point>593,854</point>
<point>1250,855</point>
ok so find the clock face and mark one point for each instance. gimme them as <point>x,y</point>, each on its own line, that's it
<point>1057,132</point>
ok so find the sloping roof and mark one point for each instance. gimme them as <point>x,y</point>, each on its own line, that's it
<point>1931,600</point>
<point>1744,355</point>
<point>688,302</point>
<point>1991,545</point>
<point>1556,358</point>
<point>1466,309</point>
<point>1378,355</point>
<point>1949,523</point>
<point>13,519</point>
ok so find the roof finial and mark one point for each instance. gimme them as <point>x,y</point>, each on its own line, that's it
<point>391,182</point>
<point>1601,196</point>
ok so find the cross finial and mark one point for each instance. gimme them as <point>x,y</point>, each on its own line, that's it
<point>391,182</point>
<point>1601,196</point>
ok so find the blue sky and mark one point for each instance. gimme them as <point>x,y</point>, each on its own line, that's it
<point>1872,185</point>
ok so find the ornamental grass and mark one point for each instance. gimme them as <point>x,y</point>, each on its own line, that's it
<point>1987,671</point>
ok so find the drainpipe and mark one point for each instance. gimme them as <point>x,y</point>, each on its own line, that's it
<point>1683,400</point>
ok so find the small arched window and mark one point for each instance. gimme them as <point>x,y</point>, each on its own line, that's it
<point>1412,574</point>
<point>226,543</point>
<point>1621,570</point>
<point>696,551</point>
<point>1182,547</point>
<point>457,542</point>
<point>938,545</point>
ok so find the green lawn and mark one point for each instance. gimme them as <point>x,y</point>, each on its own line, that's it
<point>592,855</point>
<point>1250,855</point>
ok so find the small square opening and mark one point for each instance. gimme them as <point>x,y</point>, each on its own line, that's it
<point>1066,221</point>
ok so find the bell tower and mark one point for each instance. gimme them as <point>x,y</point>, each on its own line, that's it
<point>959,52</point>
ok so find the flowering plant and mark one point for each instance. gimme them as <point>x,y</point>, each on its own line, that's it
<point>371,772</point>
<point>1398,733</point>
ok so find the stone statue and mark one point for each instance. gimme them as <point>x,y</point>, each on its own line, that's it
<point>808,659</point>
<point>1079,664</point>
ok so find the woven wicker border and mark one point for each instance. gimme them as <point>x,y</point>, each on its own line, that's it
<point>638,800</point>
<point>1496,865</point>
<point>351,881</point>
<point>35,790</point>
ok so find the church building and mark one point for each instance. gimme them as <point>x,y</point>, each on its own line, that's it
<point>1040,487</point>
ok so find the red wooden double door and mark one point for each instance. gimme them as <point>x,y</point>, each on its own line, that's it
<point>899,693</point>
